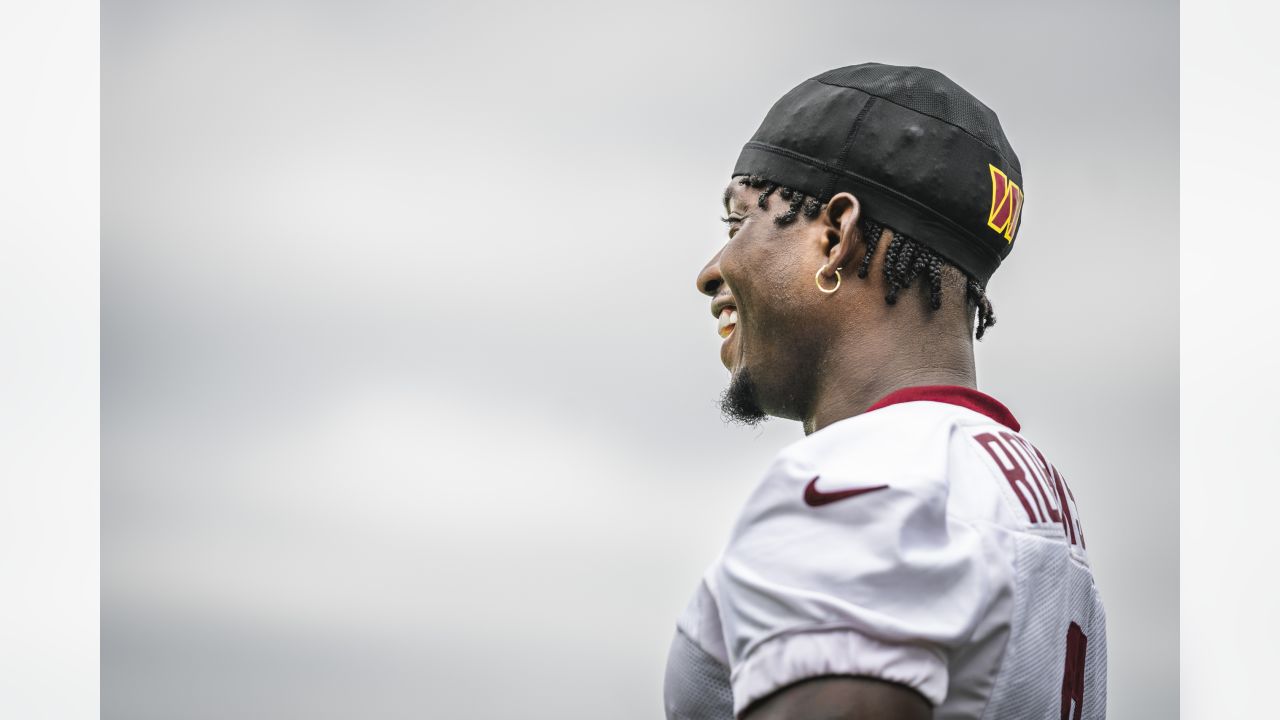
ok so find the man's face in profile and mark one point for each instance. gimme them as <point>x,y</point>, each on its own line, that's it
<point>762,294</point>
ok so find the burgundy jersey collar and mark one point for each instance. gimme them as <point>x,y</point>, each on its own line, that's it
<point>953,395</point>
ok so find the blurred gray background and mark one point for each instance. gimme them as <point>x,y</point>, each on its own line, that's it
<point>408,399</point>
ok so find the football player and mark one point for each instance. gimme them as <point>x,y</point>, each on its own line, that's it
<point>914,555</point>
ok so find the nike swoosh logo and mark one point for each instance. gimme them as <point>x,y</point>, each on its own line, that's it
<point>813,497</point>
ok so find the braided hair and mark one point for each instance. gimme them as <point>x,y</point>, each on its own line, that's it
<point>905,260</point>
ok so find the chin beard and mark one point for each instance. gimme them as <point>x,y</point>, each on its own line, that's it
<point>738,403</point>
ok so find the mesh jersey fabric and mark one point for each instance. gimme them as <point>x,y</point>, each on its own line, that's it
<point>963,579</point>
<point>697,684</point>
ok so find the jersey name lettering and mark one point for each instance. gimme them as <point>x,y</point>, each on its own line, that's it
<point>1036,483</point>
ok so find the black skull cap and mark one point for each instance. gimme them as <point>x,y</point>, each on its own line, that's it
<point>920,153</point>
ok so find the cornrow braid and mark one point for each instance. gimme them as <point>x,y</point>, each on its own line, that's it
<point>758,182</point>
<point>905,259</point>
<point>812,207</point>
<point>935,282</point>
<point>977,295</point>
<point>797,201</point>
<point>871,231</point>
<point>899,273</point>
<point>763,202</point>
<point>891,255</point>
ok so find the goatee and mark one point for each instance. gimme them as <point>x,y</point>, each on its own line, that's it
<point>738,403</point>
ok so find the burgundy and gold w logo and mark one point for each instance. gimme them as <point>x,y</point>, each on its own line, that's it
<point>1006,204</point>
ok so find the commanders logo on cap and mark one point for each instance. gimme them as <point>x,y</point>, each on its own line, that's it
<point>1006,204</point>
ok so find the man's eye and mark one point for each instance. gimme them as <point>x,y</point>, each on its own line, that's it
<point>732,221</point>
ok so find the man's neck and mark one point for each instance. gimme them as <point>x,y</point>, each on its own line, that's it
<point>851,384</point>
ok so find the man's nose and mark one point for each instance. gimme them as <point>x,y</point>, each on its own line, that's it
<point>709,279</point>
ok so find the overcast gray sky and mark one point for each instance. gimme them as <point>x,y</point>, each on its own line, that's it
<point>408,396</point>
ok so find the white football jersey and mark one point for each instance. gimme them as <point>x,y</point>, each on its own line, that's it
<point>923,542</point>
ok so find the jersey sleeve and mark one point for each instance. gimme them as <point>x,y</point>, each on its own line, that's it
<point>882,583</point>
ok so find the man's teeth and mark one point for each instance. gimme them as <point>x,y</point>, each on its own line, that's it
<point>728,319</point>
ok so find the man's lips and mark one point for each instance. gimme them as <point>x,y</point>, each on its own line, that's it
<point>725,310</point>
<point>726,314</point>
<point>728,320</point>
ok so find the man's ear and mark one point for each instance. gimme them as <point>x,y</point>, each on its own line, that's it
<point>840,235</point>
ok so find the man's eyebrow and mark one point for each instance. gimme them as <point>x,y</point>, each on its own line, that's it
<point>728,195</point>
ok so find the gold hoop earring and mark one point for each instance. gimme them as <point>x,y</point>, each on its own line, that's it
<point>817,278</point>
